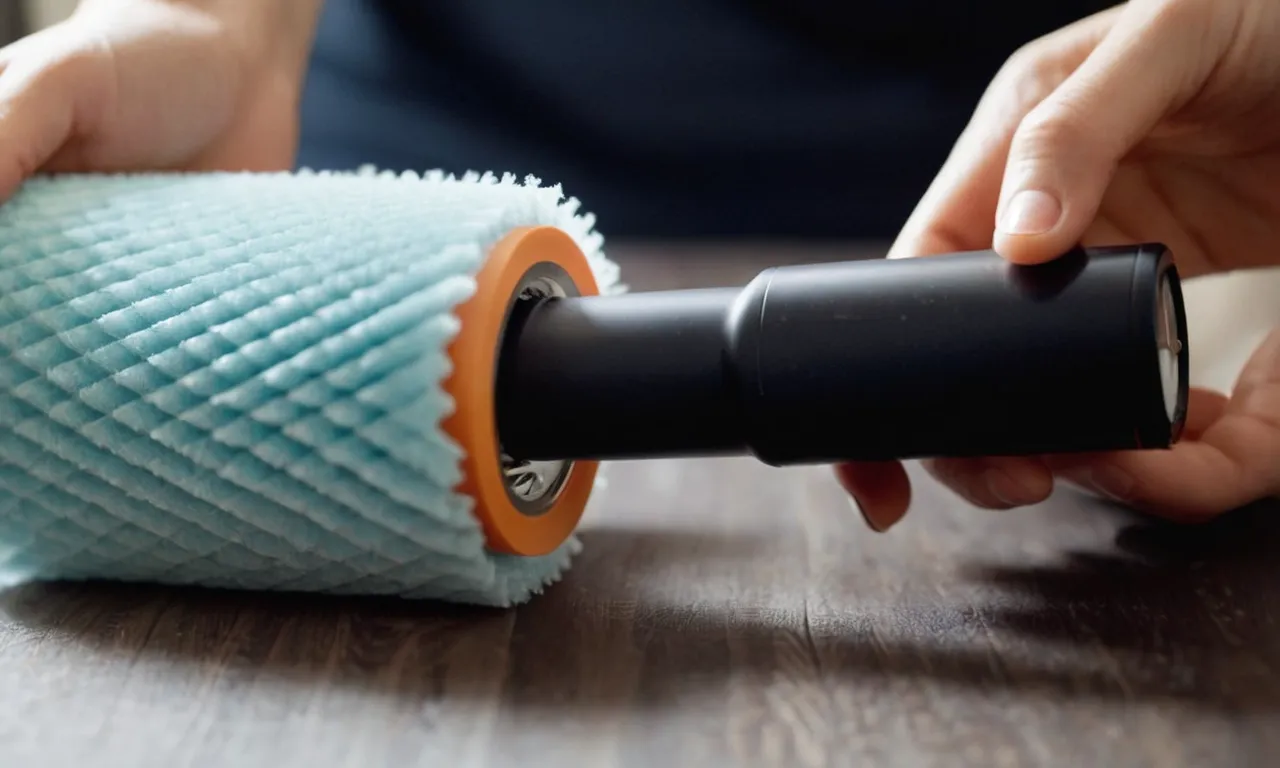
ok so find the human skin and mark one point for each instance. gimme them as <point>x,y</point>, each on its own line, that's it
<point>127,85</point>
<point>1154,120</point>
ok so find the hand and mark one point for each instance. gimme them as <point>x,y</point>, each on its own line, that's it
<point>1155,120</point>
<point>127,85</point>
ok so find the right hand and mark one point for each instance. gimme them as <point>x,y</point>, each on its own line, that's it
<point>1155,120</point>
<point>138,85</point>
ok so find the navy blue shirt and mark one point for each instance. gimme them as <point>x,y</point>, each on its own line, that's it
<point>670,118</point>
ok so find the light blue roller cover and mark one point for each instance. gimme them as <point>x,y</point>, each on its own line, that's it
<point>233,380</point>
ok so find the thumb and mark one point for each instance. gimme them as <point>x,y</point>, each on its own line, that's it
<point>1065,150</point>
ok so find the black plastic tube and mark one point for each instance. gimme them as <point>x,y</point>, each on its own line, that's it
<point>956,355</point>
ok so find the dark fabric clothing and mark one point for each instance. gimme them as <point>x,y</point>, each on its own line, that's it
<point>670,118</point>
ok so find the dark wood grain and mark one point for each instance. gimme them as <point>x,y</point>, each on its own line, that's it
<point>721,610</point>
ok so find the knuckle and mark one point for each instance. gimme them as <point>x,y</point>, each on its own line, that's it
<point>1030,74</point>
<point>1052,128</point>
<point>58,73</point>
<point>75,64</point>
<point>1177,13</point>
<point>1027,57</point>
<point>1025,66</point>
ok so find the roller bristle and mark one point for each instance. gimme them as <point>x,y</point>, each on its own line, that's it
<point>233,379</point>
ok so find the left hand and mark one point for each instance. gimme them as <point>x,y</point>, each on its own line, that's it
<point>173,85</point>
<point>1156,119</point>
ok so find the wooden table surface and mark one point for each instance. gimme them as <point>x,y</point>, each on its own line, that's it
<point>721,610</point>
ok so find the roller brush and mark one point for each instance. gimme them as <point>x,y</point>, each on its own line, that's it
<point>390,384</point>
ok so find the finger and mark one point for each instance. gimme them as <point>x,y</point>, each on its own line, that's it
<point>1065,151</point>
<point>880,490</point>
<point>996,482</point>
<point>1234,461</point>
<point>37,116</point>
<point>958,210</point>
<point>1007,482</point>
<point>1204,408</point>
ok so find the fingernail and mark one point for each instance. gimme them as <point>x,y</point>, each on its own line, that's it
<point>1031,212</point>
<point>1007,488</point>
<point>865,517</point>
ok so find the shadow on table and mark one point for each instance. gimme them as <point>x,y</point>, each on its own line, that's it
<point>1185,612</point>
<point>1177,614</point>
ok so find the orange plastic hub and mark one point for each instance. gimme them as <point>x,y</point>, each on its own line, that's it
<point>473,424</point>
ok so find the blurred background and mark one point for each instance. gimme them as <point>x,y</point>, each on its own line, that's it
<point>671,119</point>
<point>815,143</point>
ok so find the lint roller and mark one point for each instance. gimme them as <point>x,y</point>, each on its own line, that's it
<point>377,384</point>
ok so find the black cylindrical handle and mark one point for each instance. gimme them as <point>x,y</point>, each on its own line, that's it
<point>956,355</point>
